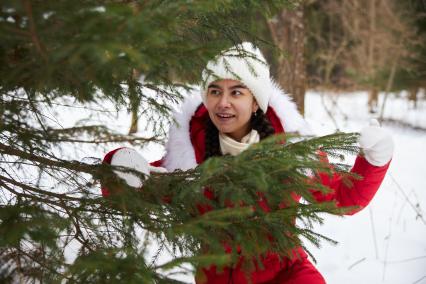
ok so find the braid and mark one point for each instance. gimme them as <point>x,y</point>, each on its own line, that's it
<point>261,124</point>
<point>212,140</point>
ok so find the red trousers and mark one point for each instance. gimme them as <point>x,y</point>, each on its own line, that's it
<point>291,271</point>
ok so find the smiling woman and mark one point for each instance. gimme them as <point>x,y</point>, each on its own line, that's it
<point>239,105</point>
<point>236,120</point>
<point>231,105</point>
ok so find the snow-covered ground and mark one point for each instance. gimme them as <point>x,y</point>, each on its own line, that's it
<point>384,243</point>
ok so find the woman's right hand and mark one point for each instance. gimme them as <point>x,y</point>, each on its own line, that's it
<point>130,158</point>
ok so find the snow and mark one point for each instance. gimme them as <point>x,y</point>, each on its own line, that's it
<point>384,243</point>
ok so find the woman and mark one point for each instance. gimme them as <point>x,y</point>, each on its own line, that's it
<point>240,105</point>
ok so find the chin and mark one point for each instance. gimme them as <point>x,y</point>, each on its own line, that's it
<point>225,130</point>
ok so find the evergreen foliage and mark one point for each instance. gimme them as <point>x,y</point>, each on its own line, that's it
<point>63,52</point>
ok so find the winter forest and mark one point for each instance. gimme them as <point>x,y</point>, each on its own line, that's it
<point>79,79</point>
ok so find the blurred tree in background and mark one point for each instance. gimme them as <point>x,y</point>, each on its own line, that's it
<point>349,45</point>
<point>413,77</point>
<point>287,30</point>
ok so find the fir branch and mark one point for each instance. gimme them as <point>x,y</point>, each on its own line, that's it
<point>32,30</point>
<point>57,163</point>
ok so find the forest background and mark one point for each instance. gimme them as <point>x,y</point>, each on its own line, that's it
<point>143,57</point>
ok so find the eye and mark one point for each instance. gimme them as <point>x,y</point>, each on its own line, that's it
<point>214,92</point>
<point>237,93</point>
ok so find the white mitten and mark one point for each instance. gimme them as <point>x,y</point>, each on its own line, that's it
<point>376,143</point>
<point>129,158</point>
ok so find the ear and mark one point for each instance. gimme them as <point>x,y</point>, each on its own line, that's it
<point>255,106</point>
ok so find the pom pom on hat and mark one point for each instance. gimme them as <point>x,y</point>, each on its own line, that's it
<point>245,63</point>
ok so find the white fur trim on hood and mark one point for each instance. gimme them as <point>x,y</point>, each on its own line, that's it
<point>179,150</point>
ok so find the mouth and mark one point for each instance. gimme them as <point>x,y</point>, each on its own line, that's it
<point>224,117</point>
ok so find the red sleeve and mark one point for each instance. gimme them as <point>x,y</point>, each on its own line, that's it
<point>158,163</point>
<point>353,192</point>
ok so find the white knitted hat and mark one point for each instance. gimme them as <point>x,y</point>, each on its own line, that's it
<point>245,63</point>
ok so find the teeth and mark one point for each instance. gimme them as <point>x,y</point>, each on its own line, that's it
<point>225,115</point>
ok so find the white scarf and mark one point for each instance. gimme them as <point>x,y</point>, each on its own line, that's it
<point>232,147</point>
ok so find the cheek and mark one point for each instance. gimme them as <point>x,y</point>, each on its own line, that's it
<point>244,114</point>
<point>210,109</point>
<point>247,116</point>
<point>246,108</point>
<point>209,106</point>
<point>210,103</point>
<point>212,115</point>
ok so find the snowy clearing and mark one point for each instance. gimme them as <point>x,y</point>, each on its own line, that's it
<point>386,242</point>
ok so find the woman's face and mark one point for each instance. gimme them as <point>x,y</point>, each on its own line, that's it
<point>230,105</point>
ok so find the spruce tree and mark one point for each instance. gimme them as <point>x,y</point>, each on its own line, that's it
<point>86,53</point>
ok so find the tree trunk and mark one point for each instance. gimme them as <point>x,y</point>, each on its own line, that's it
<point>288,33</point>
<point>371,37</point>
<point>134,103</point>
<point>413,95</point>
<point>389,86</point>
<point>373,98</point>
<point>134,121</point>
<point>134,98</point>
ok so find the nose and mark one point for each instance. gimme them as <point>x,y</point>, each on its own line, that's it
<point>224,101</point>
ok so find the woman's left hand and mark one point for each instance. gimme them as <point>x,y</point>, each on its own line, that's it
<point>376,143</point>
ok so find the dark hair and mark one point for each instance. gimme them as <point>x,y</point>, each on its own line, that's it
<point>258,121</point>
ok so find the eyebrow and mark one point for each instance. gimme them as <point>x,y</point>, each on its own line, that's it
<point>239,86</point>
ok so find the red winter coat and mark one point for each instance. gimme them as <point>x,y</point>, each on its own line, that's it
<point>185,149</point>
